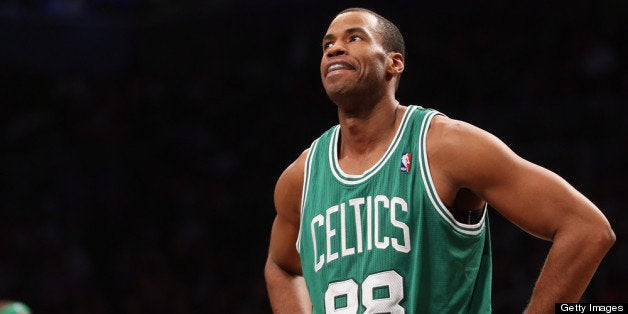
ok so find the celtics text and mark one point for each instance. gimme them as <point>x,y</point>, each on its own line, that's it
<point>369,212</point>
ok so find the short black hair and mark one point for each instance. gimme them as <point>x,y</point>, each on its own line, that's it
<point>392,40</point>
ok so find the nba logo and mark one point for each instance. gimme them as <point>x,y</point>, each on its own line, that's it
<point>406,161</point>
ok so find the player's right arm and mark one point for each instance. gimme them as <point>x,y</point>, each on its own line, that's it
<point>284,280</point>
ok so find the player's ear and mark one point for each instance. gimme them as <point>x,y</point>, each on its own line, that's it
<point>395,63</point>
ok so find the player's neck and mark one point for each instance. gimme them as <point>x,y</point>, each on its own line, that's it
<point>369,129</point>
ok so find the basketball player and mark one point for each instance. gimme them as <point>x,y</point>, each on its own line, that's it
<point>387,211</point>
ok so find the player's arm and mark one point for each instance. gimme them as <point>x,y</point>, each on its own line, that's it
<point>535,199</point>
<point>284,280</point>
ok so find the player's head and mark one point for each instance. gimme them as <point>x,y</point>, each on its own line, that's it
<point>362,55</point>
<point>392,40</point>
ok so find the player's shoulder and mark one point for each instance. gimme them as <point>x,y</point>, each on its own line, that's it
<point>289,186</point>
<point>296,168</point>
<point>292,176</point>
<point>454,140</point>
<point>448,131</point>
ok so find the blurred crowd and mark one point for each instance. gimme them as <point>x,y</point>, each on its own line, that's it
<point>142,141</point>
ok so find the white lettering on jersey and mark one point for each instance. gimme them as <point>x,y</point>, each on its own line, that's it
<point>318,220</point>
<point>385,203</point>
<point>377,208</point>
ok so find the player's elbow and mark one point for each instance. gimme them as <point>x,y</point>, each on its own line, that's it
<point>607,235</point>
<point>601,235</point>
<point>274,272</point>
<point>270,270</point>
<point>592,234</point>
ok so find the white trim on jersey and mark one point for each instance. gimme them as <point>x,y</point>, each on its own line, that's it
<point>352,179</point>
<point>443,211</point>
<point>307,173</point>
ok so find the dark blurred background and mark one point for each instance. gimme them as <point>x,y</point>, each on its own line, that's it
<point>141,139</point>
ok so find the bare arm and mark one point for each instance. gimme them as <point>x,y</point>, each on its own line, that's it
<point>535,199</point>
<point>285,284</point>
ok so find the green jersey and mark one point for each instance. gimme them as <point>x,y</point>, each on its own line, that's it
<point>383,241</point>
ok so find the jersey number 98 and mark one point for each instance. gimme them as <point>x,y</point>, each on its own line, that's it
<point>381,293</point>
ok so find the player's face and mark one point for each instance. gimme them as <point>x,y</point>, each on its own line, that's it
<point>353,57</point>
